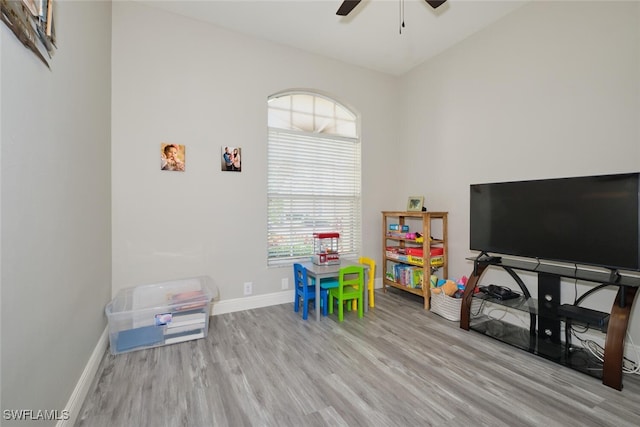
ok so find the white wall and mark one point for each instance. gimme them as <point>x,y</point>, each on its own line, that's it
<point>551,90</point>
<point>192,83</point>
<point>56,232</point>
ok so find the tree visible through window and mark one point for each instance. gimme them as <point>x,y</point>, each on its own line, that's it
<point>313,175</point>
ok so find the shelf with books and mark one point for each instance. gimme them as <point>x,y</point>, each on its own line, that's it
<point>407,237</point>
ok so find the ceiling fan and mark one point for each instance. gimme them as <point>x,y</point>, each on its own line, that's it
<point>348,5</point>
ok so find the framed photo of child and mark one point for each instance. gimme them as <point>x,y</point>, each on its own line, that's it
<point>172,157</point>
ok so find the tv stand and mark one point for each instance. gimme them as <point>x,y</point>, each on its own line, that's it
<point>546,316</point>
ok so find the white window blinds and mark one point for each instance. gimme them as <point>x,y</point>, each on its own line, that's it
<point>313,186</point>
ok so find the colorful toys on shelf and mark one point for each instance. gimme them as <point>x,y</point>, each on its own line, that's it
<point>325,248</point>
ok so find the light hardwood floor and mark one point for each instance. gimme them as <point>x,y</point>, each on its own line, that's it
<point>399,366</point>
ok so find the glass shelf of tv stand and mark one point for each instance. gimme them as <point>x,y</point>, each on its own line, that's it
<point>576,358</point>
<point>528,339</point>
<point>522,303</point>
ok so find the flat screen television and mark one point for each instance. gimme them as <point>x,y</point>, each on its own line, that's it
<point>590,220</point>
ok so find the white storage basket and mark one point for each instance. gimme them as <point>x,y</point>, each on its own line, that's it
<point>449,307</point>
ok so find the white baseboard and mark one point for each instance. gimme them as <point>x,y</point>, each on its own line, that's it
<point>82,387</point>
<point>257,301</point>
<point>248,303</point>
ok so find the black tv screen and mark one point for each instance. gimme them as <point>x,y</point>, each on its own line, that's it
<point>590,220</point>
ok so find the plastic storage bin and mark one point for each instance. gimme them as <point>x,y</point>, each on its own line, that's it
<point>161,313</point>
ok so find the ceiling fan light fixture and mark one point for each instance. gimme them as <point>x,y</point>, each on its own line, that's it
<point>348,5</point>
<point>435,3</point>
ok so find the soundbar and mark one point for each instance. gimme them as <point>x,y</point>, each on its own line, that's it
<point>584,315</point>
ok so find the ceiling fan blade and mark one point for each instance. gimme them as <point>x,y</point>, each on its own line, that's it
<point>435,3</point>
<point>346,7</point>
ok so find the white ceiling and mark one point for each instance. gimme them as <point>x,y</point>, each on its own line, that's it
<point>369,36</point>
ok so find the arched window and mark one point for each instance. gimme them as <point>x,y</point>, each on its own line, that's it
<point>313,175</point>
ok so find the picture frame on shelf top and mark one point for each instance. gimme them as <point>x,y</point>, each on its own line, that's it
<point>415,203</point>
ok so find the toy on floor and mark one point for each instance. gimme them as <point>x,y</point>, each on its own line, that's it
<point>450,287</point>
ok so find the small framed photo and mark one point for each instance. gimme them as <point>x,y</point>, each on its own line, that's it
<point>172,157</point>
<point>230,159</point>
<point>414,204</point>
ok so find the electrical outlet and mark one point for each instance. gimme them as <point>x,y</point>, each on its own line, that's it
<point>248,288</point>
<point>285,284</point>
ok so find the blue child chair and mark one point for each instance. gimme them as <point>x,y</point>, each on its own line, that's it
<point>305,292</point>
